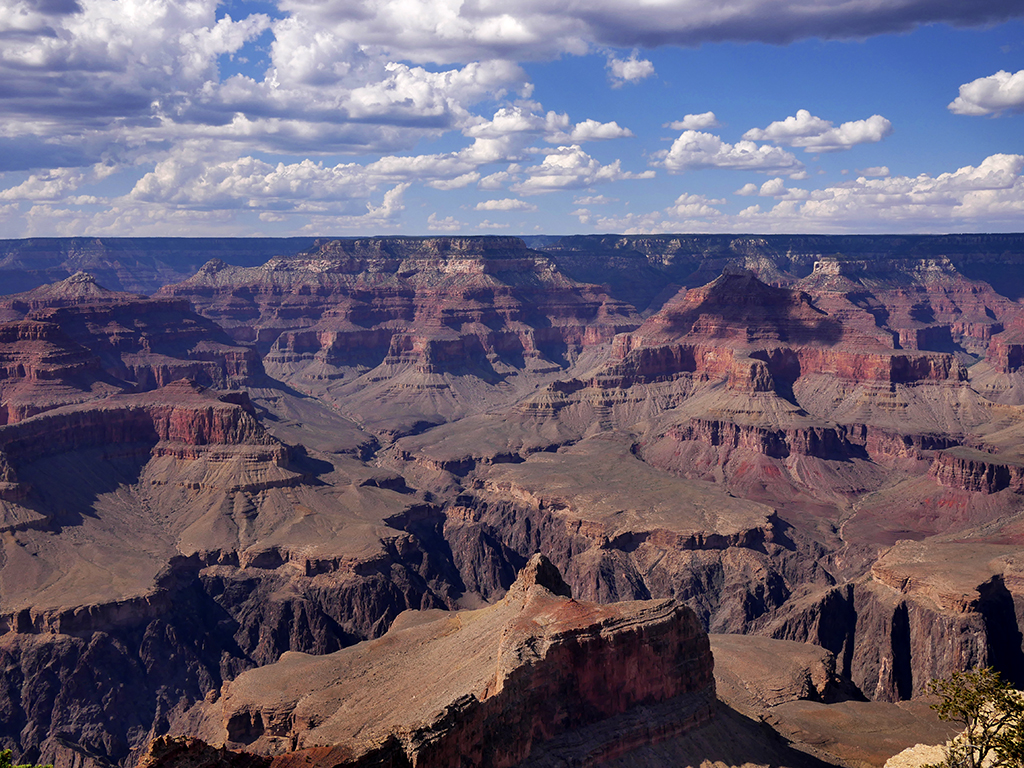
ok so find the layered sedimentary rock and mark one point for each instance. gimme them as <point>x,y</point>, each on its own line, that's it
<point>157,544</point>
<point>929,609</point>
<point>75,341</point>
<point>925,303</point>
<point>138,264</point>
<point>765,444</point>
<point>479,687</point>
<point>437,326</point>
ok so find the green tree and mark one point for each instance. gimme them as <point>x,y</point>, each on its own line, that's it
<point>992,714</point>
<point>7,761</point>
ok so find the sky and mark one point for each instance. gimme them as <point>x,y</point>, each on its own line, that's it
<point>520,117</point>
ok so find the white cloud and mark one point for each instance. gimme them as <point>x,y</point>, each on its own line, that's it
<point>688,213</point>
<point>447,224</point>
<point>817,135</point>
<point>631,70</point>
<point>498,180</point>
<point>688,206</point>
<point>700,122</point>
<point>485,224</point>
<point>521,123</point>
<point>975,198</point>
<point>594,200</point>
<point>590,130</point>
<point>986,195</point>
<point>457,183</point>
<point>777,188</point>
<point>445,31</point>
<point>992,95</point>
<point>57,184</point>
<point>507,204</point>
<point>696,149</point>
<point>875,170</point>
<point>572,168</point>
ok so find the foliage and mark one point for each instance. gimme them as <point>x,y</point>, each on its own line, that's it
<point>992,714</point>
<point>7,761</point>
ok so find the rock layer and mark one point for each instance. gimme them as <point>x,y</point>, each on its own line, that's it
<point>490,683</point>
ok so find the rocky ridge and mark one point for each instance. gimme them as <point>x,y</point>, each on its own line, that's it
<point>75,341</point>
<point>766,444</point>
<point>490,683</point>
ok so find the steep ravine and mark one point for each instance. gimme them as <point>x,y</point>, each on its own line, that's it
<point>92,687</point>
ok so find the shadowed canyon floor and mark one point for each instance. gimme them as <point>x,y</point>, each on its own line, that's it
<point>218,498</point>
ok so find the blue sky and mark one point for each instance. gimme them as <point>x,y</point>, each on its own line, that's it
<point>338,117</point>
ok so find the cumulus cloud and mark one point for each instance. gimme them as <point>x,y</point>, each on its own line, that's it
<point>777,188</point>
<point>446,224</point>
<point>874,170</point>
<point>507,204</point>
<point>591,130</point>
<point>500,179</point>
<point>457,183</point>
<point>817,135</point>
<point>696,149</point>
<point>688,213</point>
<point>57,184</point>
<point>522,123</point>
<point>980,197</point>
<point>594,200</point>
<point>631,70</point>
<point>700,122</point>
<point>992,95</point>
<point>991,193</point>
<point>571,168</point>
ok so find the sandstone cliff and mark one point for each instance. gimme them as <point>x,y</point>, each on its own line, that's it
<point>75,341</point>
<point>181,545</point>
<point>479,687</point>
<point>439,327</point>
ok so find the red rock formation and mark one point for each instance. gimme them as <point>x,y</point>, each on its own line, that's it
<point>91,342</point>
<point>436,326</point>
<point>973,470</point>
<point>490,684</point>
<point>713,329</point>
<point>492,288</point>
<point>925,302</point>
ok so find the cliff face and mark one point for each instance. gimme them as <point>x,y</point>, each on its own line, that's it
<point>440,327</point>
<point>491,683</point>
<point>75,341</point>
<point>913,619</point>
<point>766,446</point>
<point>225,555</point>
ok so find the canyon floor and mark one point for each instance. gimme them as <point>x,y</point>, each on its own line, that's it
<point>435,501</point>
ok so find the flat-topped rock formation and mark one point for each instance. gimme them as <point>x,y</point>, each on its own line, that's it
<point>137,264</point>
<point>439,327</point>
<point>75,341</point>
<point>815,440</point>
<point>478,687</point>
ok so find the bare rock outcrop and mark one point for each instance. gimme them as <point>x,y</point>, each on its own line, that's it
<point>182,545</point>
<point>489,684</point>
<point>75,341</point>
<point>439,327</point>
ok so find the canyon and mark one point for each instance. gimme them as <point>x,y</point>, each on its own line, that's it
<point>232,472</point>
